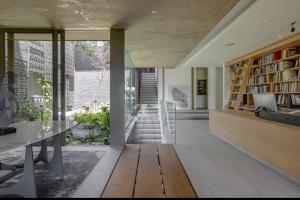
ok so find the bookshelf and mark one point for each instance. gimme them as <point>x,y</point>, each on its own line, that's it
<point>272,69</point>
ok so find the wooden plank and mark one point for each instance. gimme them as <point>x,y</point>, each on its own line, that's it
<point>175,180</point>
<point>122,181</point>
<point>148,179</point>
<point>244,84</point>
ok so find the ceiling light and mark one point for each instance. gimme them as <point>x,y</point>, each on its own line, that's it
<point>77,12</point>
<point>279,36</point>
<point>153,12</point>
<point>230,44</point>
<point>266,21</point>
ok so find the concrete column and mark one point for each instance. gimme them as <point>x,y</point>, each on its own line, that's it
<point>55,73</point>
<point>117,86</point>
<point>2,56</point>
<point>10,61</point>
<point>62,76</point>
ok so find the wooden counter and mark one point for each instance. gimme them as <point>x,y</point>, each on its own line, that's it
<point>276,143</point>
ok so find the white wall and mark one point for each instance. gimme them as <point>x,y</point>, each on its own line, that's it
<point>183,77</point>
<point>212,86</point>
<point>175,77</point>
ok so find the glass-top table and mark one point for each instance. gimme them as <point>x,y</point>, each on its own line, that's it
<point>31,133</point>
<point>27,135</point>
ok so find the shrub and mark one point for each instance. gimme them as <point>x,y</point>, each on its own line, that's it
<point>100,118</point>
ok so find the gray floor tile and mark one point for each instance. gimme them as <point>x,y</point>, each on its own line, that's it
<point>218,169</point>
<point>271,184</point>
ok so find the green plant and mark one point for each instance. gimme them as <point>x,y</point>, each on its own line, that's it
<point>100,118</point>
<point>31,112</point>
<point>45,88</point>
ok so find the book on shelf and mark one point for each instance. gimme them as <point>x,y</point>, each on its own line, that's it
<point>294,87</point>
<point>295,99</point>
<point>282,99</point>
<point>268,58</point>
<point>297,64</point>
<point>288,52</point>
<point>289,75</point>
<point>278,77</point>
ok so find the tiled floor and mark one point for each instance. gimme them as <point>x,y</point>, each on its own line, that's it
<point>216,169</point>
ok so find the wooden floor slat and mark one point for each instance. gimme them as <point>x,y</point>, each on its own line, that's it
<point>122,180</point>
<point>148,180</point>
<point>175,180</point>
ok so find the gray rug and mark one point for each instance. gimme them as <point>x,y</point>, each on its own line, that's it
<point>77,165</point>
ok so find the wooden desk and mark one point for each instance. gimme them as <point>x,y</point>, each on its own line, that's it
<point>276,143</point>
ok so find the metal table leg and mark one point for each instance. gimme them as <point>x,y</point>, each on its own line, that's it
<point>56,163</point>
<point>43,155</point>
<point>26,187</point>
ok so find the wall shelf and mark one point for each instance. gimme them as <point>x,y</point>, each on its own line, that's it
<point>275,67</point>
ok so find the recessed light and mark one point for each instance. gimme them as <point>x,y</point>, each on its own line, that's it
<point>153,12</point>
<point>266,21</point>
<point>230,44</point>
<point>279,36</point>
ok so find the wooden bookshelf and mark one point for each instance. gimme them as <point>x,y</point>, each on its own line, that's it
<point>271,69</point>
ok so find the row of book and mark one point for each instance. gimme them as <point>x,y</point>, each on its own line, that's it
<point>283,98</point>
<point>295,99</point>
<point>257,80</point>
<point>257,89</point>
<point>288,52</point>
<point>285,87</point>
<point>269,58</point>
<point>277,88</point>
<point>291,75</point>
<point>278,66</point>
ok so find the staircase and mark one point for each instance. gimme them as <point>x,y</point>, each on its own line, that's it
<point>147,129</point>
<point>148,89</point>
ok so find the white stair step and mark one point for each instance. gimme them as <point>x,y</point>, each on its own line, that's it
<point>148,126</point>
<point>148,141</point>
<point>147,136</point>
<point>147,131</point>
<point>142,121</point>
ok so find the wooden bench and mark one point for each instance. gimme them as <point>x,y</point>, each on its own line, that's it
<point>148,171</point>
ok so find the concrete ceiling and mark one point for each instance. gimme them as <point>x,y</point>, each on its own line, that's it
<point>263,23</point>
<point>159,33</point>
